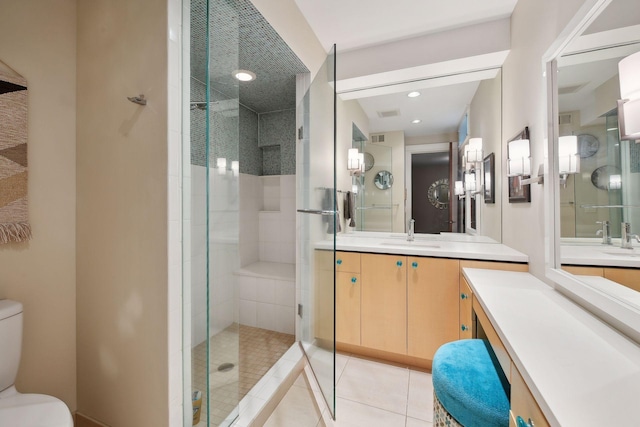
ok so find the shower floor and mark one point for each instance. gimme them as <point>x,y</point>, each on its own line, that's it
<point>251,350</point>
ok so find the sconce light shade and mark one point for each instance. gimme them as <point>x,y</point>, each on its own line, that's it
<point>470,181</point>
<point>221,164</point>
<point>353,159</point>
<point>615,182</point>
<point>629,105</point>
<point>235,166</point>
<point>473,150</point>
<point>628,69</point>
<point>458,188</point>
<point>361,162</point>
<point>568,158</point>
<point>519,162</point>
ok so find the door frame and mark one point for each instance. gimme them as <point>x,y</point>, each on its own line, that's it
<point>410,150</point>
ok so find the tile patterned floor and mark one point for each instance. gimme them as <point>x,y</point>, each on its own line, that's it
<point>252,351</point>
<point>368,394</point>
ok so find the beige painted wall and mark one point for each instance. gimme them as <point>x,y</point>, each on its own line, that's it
<point>38,39</point>
<point>535,24</point>
<point>485,121</point>
<point>122,219</point>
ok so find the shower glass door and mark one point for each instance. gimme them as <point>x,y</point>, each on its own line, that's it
<point>212,385</point>
<point>318,222</point>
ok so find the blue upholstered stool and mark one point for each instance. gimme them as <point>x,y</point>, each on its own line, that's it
<point>469,387</point>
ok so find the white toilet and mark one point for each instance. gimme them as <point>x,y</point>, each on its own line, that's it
<point>16,409</point>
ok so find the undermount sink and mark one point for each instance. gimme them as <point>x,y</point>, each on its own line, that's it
<point>412,244</point>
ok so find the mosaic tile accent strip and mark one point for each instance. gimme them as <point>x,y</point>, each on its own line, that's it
<point>277,127</point>
<point>271,160</point>
<point>250,154</point>
<point>242,39</point>
<point>253,351</point>
<point>634,157</point>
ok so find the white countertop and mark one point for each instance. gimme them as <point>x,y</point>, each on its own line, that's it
<point>580,370</point>
<point>599,255</point>
<point>438,245</point>
<point>614,289</point>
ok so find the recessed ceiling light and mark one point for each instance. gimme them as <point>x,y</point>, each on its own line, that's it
<point>244,75</point>
<point>416,121</point>
<point>413,94</point>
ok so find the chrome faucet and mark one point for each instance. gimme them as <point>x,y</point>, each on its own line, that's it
<point>625,242</point>
<point>412,224</point>
<point>606,232</point>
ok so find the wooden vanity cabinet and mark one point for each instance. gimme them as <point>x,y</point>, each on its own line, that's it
<point>384,302</point>
<point>348,289</point>
<point>432,304</point>
<point>466,310</point>
<point>629,277</point>
<point>523,403</point>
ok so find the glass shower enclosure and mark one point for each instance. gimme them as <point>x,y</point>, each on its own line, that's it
<point>219,342</point>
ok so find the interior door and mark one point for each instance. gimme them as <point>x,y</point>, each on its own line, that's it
<point>318,224</point>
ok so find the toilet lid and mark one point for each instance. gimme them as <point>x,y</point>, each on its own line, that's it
<point>34,410</point>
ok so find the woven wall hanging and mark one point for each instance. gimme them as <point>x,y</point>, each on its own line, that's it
<point>14,218</point>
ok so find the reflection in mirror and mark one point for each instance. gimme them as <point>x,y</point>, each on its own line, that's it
<point>383,180</point>
<point>598,201</point>
<point>413,137</point>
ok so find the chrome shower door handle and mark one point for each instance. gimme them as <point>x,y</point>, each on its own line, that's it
<point>316,211</point>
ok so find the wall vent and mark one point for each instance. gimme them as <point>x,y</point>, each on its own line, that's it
<point>389,113</point>
<point>377,138</point>
<point>564,119</point>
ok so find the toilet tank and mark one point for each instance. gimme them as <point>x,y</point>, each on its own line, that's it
<point>10,341</point>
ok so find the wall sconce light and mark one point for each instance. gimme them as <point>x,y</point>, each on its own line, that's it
<point>519,162</point>
<point>235,167</point>
<point>355,162</point>
<point>615,182</point>
<point>470,181</point>
<point>629,105</point>
<point>221,164</point>
<point>568,158</point>
<point>458,189</point>
<point>473,151</point>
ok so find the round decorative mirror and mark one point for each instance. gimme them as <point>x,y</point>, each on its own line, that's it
<point>383,180</point>
<point>438,193</point>
<point>369,161</point>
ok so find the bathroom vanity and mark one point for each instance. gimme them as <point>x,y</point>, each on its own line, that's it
<point>566,367</point>
<point>398,300</point>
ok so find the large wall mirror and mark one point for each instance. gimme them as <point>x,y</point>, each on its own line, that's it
<point>592,259</point>
<point>419,132</point>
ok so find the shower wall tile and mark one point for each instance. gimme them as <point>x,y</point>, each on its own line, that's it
<point>277,127</point>
<point>250,153</point>
<point>250,205</point>
<point>271,160</point>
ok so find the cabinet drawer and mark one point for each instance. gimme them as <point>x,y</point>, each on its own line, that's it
<point>491,334</point>
<point>523,404</point>
<point>348,262</point>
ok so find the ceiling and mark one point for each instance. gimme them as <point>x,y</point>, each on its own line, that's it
<point>352,25</point>
<point>356,24</point>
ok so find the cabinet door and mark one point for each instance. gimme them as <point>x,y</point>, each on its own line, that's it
<point>629,277</point>
<point>323,291</point>
<point>384,302</point>
<point>348,308</point>
<point>466,310</point>
<point>433,308</point>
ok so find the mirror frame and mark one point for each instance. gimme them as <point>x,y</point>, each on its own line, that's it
<point>622,316</point>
